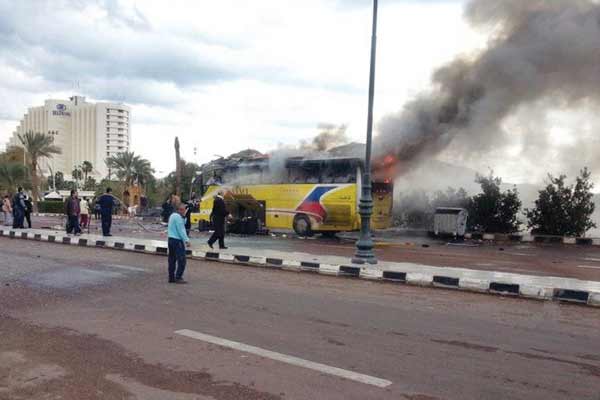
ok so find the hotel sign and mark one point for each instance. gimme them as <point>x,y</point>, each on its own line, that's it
<point>61,110</point>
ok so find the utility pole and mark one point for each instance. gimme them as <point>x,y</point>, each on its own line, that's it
<point>364,245</point>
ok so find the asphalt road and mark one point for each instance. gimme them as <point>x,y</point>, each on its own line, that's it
<point>581,262</point>
<point>82,323</point>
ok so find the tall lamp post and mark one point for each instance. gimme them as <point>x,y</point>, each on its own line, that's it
<point>364,246</point>
<point>53,134</point>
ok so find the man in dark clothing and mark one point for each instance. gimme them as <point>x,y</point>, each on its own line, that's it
<point>217,216</point>
<point>106,202</point>
<point>19,209</point>
<point>72,212</point>
<point>192,206</point>
<point>28,210</point>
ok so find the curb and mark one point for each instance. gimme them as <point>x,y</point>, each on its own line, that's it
<point>525,291</point>
<point>548,239</point>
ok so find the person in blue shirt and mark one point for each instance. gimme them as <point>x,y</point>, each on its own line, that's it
<point>106,202</point>
<point>178,240</point>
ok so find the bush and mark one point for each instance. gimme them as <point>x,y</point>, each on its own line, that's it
<point>494,211</point>
<point>51,207</point>
<point>563,210</point>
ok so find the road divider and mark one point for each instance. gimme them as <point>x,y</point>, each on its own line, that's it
<point>490,282</point>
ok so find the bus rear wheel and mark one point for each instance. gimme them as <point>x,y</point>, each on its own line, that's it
<point>302,225</point>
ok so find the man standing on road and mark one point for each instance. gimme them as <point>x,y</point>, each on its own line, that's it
<point>72,211</point>
<point>19,209</point>
<point>107,201</point>
<point>217,216</point>
<point>28,210</point>
<point>178,240</point>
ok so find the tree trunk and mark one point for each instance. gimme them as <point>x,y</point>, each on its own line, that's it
<point>177,168</point>
<point>34,185</point>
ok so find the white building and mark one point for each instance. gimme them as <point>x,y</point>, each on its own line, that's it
<point>83,131</point>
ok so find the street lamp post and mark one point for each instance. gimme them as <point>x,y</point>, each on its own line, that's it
<point>53,134</point>
<point>364,245</point>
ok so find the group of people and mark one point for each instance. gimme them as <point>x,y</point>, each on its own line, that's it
<point>78,212</point>
<point>17,209</point>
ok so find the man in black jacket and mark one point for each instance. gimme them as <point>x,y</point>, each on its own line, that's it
<point>72,211</point>
<point>217,216</point>
<point>18,209</point>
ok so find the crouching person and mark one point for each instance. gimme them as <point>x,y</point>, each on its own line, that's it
<point>178,241</point>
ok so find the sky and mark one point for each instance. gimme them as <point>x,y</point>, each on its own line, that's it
<point>228,75</point>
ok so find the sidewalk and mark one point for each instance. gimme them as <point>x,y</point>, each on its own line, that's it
<point>527,286</point>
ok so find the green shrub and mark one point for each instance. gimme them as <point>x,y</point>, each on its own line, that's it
<point>51,207</point>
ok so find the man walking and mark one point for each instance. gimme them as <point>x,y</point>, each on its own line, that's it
<point>106,202</point>
<point>72,211</point>
<point>217,216</point>
<point>178,240</point>
<point>18,209</point>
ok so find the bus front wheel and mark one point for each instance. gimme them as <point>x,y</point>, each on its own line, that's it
<point>302,225</point>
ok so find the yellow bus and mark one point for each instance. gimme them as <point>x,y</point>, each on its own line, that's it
<point>306,195</point>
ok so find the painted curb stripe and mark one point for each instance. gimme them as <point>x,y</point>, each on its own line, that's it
<point>504,288</point>
<point>350,271</point>
<point>445,281</point>
<point>576,296</point>
<point>394,276</point>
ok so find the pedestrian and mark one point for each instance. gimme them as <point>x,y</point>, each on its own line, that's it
<point>72,211</point>
<point>7,211</point>
<point>18,205</point>
<point>107,202</point>
<point>28,210</point>
<point>84,208</point>
<point>178,241</point>
<point>192,206</point>
<point>217,217</point>
<point>168,207</point>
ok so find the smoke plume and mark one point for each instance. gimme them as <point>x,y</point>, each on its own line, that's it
<point>541,54</point>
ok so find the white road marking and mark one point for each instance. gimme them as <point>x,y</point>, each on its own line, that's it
<point>588,267</point>
<point>592,259</point>
<point>126,267</point>
<point>355,376</point>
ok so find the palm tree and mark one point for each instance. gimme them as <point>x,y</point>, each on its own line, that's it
<point>12,175</point>
<point>130,168</point>
<point>86,168</point>
<point>37,145</point>
<point>123,166</point>
<point>77,175</point>
<point>143,171</point>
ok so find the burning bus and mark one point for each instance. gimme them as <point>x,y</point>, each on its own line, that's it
<point>307,195</point>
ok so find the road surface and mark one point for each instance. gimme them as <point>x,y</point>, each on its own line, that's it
<point>83,323</point>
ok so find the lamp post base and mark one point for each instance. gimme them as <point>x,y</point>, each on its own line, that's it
<point>367,259</point>
<point>364,253</point>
